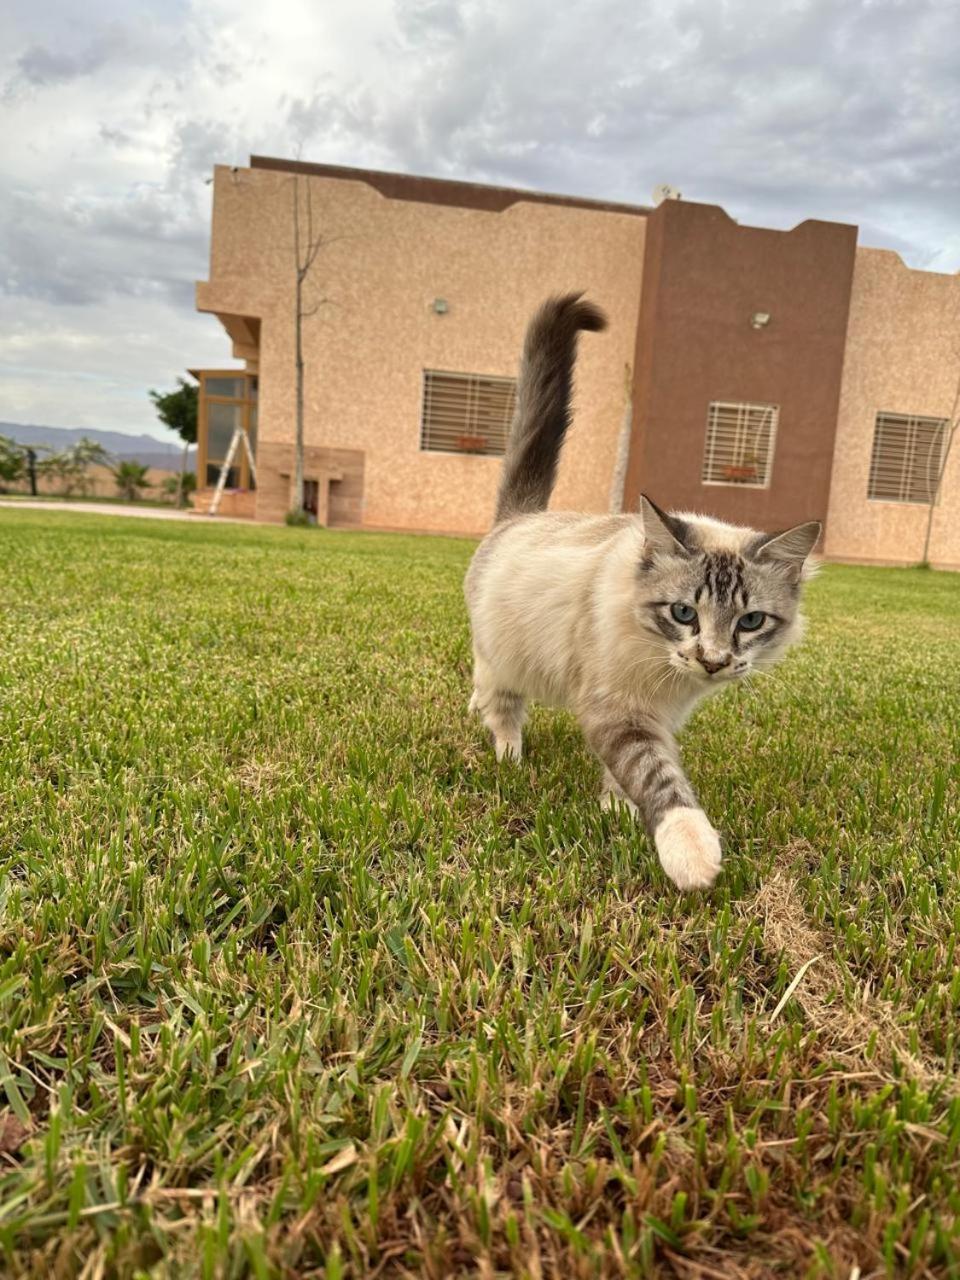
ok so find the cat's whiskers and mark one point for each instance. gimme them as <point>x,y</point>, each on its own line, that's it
<point>654,660</point>
<point>671,674</point>
<point>638,668</point>
<point>644,654</point>
<point>746,683</point>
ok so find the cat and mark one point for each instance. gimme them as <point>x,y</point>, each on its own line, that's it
<point>626,620</point>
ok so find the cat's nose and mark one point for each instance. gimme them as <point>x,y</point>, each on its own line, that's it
<point>712,662</point>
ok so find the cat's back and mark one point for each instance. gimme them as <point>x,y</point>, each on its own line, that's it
<point>544,550</point>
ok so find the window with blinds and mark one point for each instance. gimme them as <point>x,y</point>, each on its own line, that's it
<point>466,412</point>
<point>739,445</point>
<point>907,457</point>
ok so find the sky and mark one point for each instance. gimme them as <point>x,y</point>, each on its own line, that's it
<point>113,114</point>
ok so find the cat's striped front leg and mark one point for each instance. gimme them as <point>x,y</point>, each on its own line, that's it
<point>642,758</point>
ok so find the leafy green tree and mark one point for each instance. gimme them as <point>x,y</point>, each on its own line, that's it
<point>59,466</point>
<point>70,468</point>
<point>12,459</point>
<point>85,454</point>
<point>178,411</point>
<point>131,478</point>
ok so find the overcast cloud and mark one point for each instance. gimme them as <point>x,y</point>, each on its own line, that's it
<point>112,116</point>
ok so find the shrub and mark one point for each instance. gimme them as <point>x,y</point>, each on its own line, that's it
<point>131,478</point>
<point>172,486</point>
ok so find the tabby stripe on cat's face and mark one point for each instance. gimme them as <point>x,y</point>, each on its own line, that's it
<point>723,580</point>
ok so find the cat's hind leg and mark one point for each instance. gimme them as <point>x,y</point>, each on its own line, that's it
<point>500,709</point>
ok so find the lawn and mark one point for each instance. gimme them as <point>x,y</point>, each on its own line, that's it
<point>295,981</point>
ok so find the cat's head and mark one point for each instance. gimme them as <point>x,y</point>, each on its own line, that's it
<point>723,600</point>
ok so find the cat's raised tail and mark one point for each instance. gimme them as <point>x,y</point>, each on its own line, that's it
<point>543,403</point>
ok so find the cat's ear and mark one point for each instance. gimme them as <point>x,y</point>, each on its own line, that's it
<point>789,548</point>
<point>662,532</point>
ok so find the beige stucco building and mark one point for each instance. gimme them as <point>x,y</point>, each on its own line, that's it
<point>742,373</point>
<point>902,356</point>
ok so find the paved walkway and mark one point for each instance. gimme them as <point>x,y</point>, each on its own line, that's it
<point>119,509</point>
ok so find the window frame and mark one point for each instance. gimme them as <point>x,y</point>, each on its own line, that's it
<point>889,416</point>
<point>249,402</point>
<point>473,384</point>
<point>708,463</point>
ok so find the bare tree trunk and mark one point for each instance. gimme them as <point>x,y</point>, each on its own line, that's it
<point>183,471</point>
<point>303,260</point>
<point>951,431</point>
<point>298,447</point>
<point>297,505</point>
<point>623,447</point>
<point>952,425</point>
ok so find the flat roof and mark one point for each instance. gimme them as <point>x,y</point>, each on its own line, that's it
<point>446,191</point>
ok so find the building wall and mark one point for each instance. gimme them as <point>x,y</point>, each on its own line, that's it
<point>342,468</point>
<point>367,346</point>
<point>704,276</point>
<point>902,356</point>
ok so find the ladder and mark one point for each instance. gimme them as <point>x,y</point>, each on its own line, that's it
<point>238,435</point>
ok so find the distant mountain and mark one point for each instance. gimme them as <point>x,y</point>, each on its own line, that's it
<point>148,450</point>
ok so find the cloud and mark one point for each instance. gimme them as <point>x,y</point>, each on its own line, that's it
<point>779,116</point>
<point>111,128</point>
<point>82,249</point>
<point>91,366</point>
<point>42,66</point>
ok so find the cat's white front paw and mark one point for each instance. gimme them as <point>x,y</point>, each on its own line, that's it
<point>688,847</point>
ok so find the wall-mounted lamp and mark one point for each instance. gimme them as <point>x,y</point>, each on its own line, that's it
<point>760,319</point>
<point>441,306</point>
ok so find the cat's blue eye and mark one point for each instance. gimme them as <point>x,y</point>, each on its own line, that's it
<point>684,613</point>
<point>752,621</point>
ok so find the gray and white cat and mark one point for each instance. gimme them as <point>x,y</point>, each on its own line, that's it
<point>626,620</point>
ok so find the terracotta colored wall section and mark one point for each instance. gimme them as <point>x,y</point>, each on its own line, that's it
<point>903,356</point>
<point>389,257</point>
<point>704,276</point>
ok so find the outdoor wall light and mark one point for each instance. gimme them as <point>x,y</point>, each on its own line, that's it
<point>440,306</point>
<point>760,319</point>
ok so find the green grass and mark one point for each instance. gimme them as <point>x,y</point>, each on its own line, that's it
<point>295,981</point>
